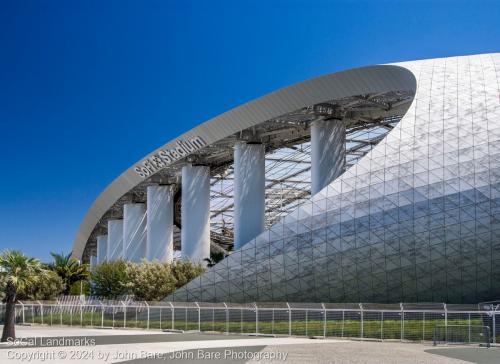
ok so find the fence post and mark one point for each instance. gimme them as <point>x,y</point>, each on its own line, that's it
<point>60,312</point>
<point>402,321</point>
<point>227,318</point>
<point>289,319</point>
<point>423,326</point>
<point>324,320</point>
<point>102,314</point>
<point>41,310</point>
<point>382,326</point>
<point>495,324</point>
<point>362,320</point>
<point>256,318</point>
<point>172,311</point>
<point>124,314</point>
<point>199,316</point>
<point>469,327</point>
<point>343,321</point>
<point>22,308</point>
<point>148,314</point>
<point>81,315</point>
<point>445,322</point>
<point>307,321</point>
<point>272,326</point>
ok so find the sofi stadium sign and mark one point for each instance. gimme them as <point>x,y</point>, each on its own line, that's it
<point>164,157</point>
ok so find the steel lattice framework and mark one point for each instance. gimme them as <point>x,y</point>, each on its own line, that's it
<point>288,178</point>
<point>368,118</point>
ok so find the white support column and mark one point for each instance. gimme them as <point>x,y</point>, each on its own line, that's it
<point>249,192</point>
<point>160,223</point>
<point>102,249</point>
<point>327,152</point>
<point>115,240</point>
<point>195,210</point>
<point>93,262</point>
<point>134,232</point>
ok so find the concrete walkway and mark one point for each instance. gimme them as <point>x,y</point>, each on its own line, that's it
<point>140,346</point>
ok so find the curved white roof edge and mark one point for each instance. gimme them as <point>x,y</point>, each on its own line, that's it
<point>371,79</point>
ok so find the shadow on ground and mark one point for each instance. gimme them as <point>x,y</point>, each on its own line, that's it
<point>473,355</point>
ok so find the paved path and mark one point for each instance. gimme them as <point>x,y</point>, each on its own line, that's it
<point>141,346</point>
<point>114,346</point>
<point>474,355</point>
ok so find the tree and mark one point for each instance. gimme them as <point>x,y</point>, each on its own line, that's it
<point>80,287</point>
<point>69,269</point>
<point>215,257</point>
<point>109,279</point>
<point>3,285</point>
<point>150,281</point>
<point>20,272</point>
<point>49,286</point>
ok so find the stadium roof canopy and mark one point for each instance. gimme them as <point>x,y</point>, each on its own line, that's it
<point>371,100</point>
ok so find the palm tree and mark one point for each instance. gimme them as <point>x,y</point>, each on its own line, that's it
<point>69,269</point>
<point>20,272</point>
<point>215,257</point>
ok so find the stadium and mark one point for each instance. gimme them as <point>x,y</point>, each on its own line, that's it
<point>375,184</point>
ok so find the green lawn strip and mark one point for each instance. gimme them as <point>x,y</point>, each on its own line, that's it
<point>413,329</point>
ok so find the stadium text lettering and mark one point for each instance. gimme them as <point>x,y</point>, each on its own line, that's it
<point>165,157</point>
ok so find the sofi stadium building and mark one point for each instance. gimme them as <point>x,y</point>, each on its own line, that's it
<point>376,184</point>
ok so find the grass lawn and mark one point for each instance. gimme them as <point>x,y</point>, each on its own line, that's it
<point>410,329</point>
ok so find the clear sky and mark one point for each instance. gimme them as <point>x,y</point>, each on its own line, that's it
<point>88,87</point>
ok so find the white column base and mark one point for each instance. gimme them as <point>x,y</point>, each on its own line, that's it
<point>195,210</point>
<point>102,249</point>
<point>115,240</point>
<point>160,224</point>
<point>327,152</point>
<point>249,192</point>
<point>134,232</point>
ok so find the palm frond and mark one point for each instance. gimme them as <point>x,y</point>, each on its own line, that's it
<point>69,269</point>
<point>20,269</point>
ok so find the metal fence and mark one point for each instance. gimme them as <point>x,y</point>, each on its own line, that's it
<point>452,334</point>
<point>403,322</point>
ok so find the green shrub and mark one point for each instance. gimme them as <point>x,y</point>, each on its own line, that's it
<point>80,287</point>
<point>184,271</point>
<point>109,279</point>
<point>48,287</point>
<point>150,281</point>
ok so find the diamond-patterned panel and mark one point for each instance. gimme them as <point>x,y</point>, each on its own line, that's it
<point>417,219</point>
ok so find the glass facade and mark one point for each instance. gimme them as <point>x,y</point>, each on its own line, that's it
<point>415,220</point>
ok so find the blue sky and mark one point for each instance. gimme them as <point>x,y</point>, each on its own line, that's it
<point>87,88</point>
